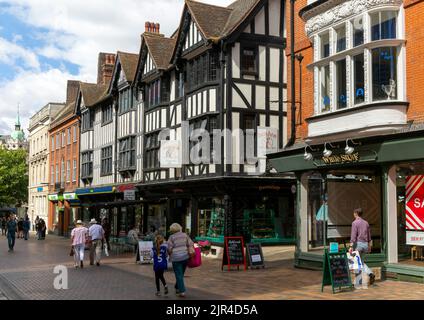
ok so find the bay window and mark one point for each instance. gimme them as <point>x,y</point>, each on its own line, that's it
<point>358,62</point>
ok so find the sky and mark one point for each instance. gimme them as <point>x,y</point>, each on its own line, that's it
<point>44,43</point>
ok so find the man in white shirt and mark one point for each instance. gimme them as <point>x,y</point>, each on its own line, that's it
<point>97,235</point>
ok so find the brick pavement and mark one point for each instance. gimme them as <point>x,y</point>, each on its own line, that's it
<point>28,274</point>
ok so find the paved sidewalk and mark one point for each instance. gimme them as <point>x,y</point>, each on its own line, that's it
<point>28,274</point>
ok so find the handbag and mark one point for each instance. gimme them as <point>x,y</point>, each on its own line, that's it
<point>72,251</point>
<point>196,260</point>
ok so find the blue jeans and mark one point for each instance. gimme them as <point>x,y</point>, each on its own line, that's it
<point>179,269</point>
<point>362,248</point>
<point>11,240</point>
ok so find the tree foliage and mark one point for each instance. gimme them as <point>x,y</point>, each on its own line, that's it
<point>13,177</point>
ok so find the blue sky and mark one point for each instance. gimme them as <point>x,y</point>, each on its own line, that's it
<point>44,43</point>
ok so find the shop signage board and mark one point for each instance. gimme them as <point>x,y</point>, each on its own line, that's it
<point>144,253</point>
<point>234,255</point>
<point>336,271</point>
<point>70,196</point>
<point>415,238</point>
<point>255,255</point>
<point>129,195</point>
<point>171,154</point>
<point>414,200</point>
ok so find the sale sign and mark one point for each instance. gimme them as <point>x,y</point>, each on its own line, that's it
<point>414,200</point>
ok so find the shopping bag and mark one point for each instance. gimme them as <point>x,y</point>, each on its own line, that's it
<point>196,260</point>
<point>71,253</point>
<point>106,250</point>
<point>355,262</point>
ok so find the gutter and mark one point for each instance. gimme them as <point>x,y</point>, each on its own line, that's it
<point>293,74</point>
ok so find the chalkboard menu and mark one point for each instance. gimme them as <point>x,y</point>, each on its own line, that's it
<point>233,253</point>
<point>336,271</point>
<point>255,255</point>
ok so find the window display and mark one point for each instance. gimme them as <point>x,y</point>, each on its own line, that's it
<point>261,222</point>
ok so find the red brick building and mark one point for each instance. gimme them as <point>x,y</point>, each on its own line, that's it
<point>64,165</point>
<point>358,134</point>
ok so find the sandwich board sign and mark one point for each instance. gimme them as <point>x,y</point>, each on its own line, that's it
<point>144,252</point>
<point>255,255</point>
<point>233,253</point>
<point>336,271</point>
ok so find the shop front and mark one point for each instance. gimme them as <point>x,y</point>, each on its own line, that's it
<point>120,205</point>
<point>259,209</point>
<point>382,175</point>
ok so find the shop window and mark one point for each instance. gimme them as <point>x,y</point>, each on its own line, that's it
<point>410,213</point>
<point>332,199</point>
<point>384,73</point>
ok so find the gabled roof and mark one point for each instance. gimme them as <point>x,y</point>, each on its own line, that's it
<point>210,19</point>
<point>218,22</point>
<point>67,112</point>
<point>93,93</point>
<point>160,49</point>
<point>128,64</point>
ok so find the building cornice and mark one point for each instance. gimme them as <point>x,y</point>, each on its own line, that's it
<point>333,11</point>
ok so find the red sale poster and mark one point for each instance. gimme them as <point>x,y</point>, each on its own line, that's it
<point>414,199</point>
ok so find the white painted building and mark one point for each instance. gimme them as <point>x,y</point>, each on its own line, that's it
<point>38,142</point>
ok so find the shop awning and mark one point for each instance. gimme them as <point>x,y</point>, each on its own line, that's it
<point>94,191</point>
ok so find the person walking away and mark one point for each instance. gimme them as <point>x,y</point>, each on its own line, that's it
<point>11,232</point>
<point>39,227</point>
<point>37,219</point>
<point>178,248</point>
<point>26,227</point>
<point>79,236</point>
<point>160,263</point>
<point>107,228</point>
<point>97,235</point>
<point>132,238</point>
<point>3,226</point>
<point>43,229</point>
<point>20,228</point>
<point>360,240</point>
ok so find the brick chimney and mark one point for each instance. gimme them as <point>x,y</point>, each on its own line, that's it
<point>71,91</point>
<point>152,27</point>
<point>105,66</point>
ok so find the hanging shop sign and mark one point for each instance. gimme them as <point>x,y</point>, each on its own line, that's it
<point>267,140</point>
<point>171,154</point>
<point>414,200</point>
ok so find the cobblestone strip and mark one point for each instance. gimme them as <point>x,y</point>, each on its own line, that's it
<point>7,290</point>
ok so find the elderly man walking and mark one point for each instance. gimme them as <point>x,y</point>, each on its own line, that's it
<point>97,236</point>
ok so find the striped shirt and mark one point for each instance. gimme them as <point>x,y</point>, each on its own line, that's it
<point>178,244</point>
<point>79,235</point>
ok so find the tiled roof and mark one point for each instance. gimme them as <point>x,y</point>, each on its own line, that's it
<point>217,22</point>
<point>160,48</point>
<point>67,112</point>
<point>129,63</point>
<point>93,93</point>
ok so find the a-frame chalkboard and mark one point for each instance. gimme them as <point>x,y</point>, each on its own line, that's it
<point>336,271</point>
<point>233,253</point>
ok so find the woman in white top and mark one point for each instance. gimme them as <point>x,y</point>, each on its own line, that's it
<point>78,237</point>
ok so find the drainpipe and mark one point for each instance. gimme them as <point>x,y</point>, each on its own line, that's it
<point>292,66</point>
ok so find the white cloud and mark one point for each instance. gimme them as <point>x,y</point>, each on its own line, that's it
<point>74,31</point>
<point>11,53</point>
